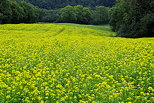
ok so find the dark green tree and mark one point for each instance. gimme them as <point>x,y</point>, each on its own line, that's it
<point>1,18</point>
<point>84,14</point>
<point>49,15</point>
<point>133,18</point>
<point>56,4</point>
<point>101,15</point>
<point>68,14</point>
<point>79,13</point>
<point>17,12</point>
<point>31,13</point>
<point>5,10</point>
<point>87,14</point>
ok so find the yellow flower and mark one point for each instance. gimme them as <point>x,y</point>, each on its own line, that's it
<point>42,101</point>
<point>39,98</point>
<point>8,96</point>
<point>39,63</point>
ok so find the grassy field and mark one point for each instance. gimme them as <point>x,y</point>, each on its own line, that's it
<point>69,63</point>
<point>95,27</point>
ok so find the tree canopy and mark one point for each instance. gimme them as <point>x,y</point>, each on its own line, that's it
<point>84,15</point>
<point>13,11</point>
<point>133,18</point>
<point>18,12</point>
<point>55,4</point>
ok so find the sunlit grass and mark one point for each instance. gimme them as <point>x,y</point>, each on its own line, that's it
<point>95,27</point>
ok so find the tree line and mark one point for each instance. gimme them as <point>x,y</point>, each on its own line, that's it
<point>56,4</point>
<point>12,11</point>
<point>84,15</point>
<point>18,12</point>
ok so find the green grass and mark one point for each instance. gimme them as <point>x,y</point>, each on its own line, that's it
<point>95,27</point>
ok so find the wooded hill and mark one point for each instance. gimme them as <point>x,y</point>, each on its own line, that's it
<point>55,4</point>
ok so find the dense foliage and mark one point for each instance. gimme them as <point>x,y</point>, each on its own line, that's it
<point>49,15</point>
<point>55,4</point>
<point>17,12</point>
<point>84,15</point>
<point>23,12</point>
<point>101,15</point>
<point>133,18</point>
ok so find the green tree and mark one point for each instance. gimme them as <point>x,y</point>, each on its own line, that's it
<point>133,18</point>
<point>49,15</point>
<point>87,15</point>
<point>1,17</point>
<point>79,13</point>
<point>84,14</point>
<point>5,11</point>
<point>31,13</point>
<point>101,15</point>
<point>17,12</point>
<point>68,14</point>
<point>56,4</point>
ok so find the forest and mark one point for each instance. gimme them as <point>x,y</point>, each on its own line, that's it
<point>12,11</point>
<point>55,4</point>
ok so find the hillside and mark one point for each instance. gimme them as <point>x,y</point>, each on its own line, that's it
<point>54,4</point>
<point>55,63</point>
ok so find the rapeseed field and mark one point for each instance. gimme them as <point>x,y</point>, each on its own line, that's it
<point>49,63</point>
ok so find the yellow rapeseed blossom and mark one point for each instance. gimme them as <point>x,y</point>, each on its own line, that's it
<point>49,63</point>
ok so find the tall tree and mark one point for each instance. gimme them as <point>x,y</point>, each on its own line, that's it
<point>17,12</point>
<point>5,11</point>
<point>101,15</point>
<point>68,14</point>
<point>133,18</point>
<point>55,4</point>
<point>84,14</point>
<point>31,13</point>
<point>49,15</point>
